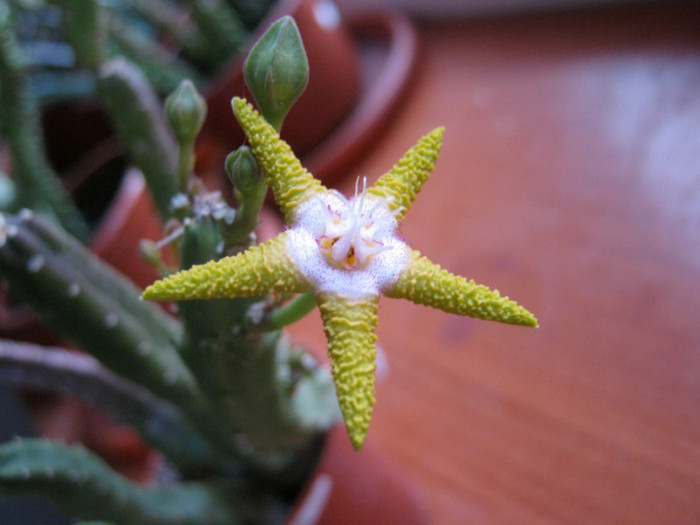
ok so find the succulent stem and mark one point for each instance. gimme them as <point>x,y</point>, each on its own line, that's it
<point>160,423</point>
<point>37,185</point>
<point>137,114</point>
<point>83,485</point>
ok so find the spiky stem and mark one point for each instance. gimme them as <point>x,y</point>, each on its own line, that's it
<point>37,184</point>
<point>160,423</point>
<point>90,303</point>
<point>137,114</point>
<point>85,486</point>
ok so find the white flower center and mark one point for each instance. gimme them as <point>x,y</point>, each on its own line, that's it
<point>349,240</point>
<point>348,246</point>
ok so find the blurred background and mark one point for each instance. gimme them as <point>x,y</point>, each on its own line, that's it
<point>570,180</point>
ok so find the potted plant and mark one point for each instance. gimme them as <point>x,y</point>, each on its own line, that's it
<point>162,45</point>
<point>241,417</point>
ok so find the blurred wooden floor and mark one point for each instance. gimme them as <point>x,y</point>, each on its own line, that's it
<point>569,180</point>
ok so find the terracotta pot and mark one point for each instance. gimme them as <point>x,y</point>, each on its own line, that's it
<point>388,48</point>
<point>351,487</point>
<point>334,81</point>
<point>129,218</point>
<point>384,44</point>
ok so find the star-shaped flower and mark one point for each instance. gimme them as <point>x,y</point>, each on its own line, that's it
<point>348,252</point>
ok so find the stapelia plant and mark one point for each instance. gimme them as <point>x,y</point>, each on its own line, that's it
<point>236,412</point>
<point>348,253</point>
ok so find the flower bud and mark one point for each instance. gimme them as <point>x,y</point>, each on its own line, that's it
<point>151,253</point>
<point>186,110</point>
<point>244,173</point>
<point>277,70</point>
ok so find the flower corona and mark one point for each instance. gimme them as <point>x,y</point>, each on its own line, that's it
<point>348,246</point>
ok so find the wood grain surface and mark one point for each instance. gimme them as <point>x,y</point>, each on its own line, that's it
<point>569,180</point>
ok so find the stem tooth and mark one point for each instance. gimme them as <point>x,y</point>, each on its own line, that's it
<point>73,290</point>
<point>35,263</point>
<point>111,320</point>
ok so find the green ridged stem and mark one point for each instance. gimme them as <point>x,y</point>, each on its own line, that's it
<point>84,486</point>
<point>241,371</point>
<point>93,305</point>
<point>90,303</point>
<point>37,185</point>
<point>251,378</point>
<point>161,424</point>
<point>136,112</point>
<point>83,25</point>
<point>204,322</point>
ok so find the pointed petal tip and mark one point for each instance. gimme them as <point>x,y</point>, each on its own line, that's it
<point>350,326</point>
<point>426,283</point>
<point>158,291</point>
<point>150,294</point>
<point>237,104</point>
<point>357,439</point>
<point>527,320</point>
<point>532,321</point>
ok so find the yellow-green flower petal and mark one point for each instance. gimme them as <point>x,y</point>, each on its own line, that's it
<point>291,183</point>
<point>262,269</point>
<point>426,283</point>
<point>350,326</point>
<point>404,180</point>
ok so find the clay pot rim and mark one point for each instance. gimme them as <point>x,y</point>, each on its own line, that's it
<point>378,100</point>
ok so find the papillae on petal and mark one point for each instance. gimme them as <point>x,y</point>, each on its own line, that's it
<point>291,183</point>
<point>403,182</point>
<point>260,270</point>
<point>424,282</point>
<point>350,326</point>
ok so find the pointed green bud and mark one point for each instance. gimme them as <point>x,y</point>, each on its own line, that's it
<point>150,253</point>
<point>249,188</point>
<point>277,70</point>
<point>245,174</point>
<point>186,110</point>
